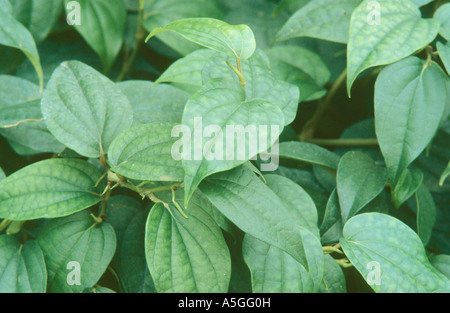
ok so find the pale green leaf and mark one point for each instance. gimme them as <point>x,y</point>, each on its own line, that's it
<point>408,110</point>
<point>22,267</point>
<point>2,174</point>
<point>85,110</point>
<point>442,263</point>
<point>333,277</point>
<point>49,188</point>
<point>399,254</point>
<point>384,32</point>
<point>323,19</point>
<point>359,181</point>
<point>186,254</point>
<point>426,213</point>
<point>309,153</point>
<point>144,152</point>
<point>236,41</point>
<point>443,15</point>
<point>444,54</point>
<point>102,25</point>
<point>76,245</point>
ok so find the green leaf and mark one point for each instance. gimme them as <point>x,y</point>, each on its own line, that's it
<point>442,14</point>
<point>332,213</point>
<point>48,189</point>
<point>76,246</point>
<point>399,32</point>
<point>309,153</point>
<point>236,41</point>
<point>444,54</point>
<point>186,254</point>
<point>426,213</point>
<point>144,152</point>
<point>229,111</point>
<point>333,277</point>
<point>323,19</point>
<point>162,12</point>
<point>154,103</point>
<point>102,25</point>
<point>14,34</point>
<point>84,109</point>
<point>401,258</point>
<point>408,183</point>
<point>22,267</point>
<point>359,180</point>
<point>14,90</point>
<point>274,271</point>
<point>2,174</point>
<point>128,220</point>
<point>300,67</point>
<point>420,3</point>
<point>408,110</point>
<point>253,207</point>
<point>39,16</point>
<point>442,263</point>
<point>445,174</point>
<point>261,83</point>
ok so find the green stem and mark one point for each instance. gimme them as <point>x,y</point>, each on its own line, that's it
<point>344,263</point>
<point>310,127</point>
<point>345,142</point>
<point>238,72</point>
<point>4,224</point>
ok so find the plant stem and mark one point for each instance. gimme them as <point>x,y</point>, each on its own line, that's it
<point>344,142</point>
<point>4,224</point>
<point>310,127</point>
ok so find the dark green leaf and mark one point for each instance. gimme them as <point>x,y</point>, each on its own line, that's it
<point>408,183</point>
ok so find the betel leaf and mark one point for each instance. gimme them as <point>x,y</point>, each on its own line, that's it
<point>84,109</point>
<point>261,83</point>
<point>236,41</point>
<point>231,131</point>
<point>390,255</point>
<point>161,12</point>
<point>408,183</point>
<point>333,277</point>
<point>444,54</point>
<point>265,216</point>
<point>15,90</point>
<point>127,217</point>
<point>154,103</point>
<point>359,180</point>
<point>102,25</point>
<point>22,267</point>
<point>144,152</point>
<point>2,174</point>
<point>14,34</point>
<point>426,213</point>
<point>420,3</point>
<point>186,254</point>
<point>385,33</point>
<point>442,14</point>
<point>77,251</point>
<point>442,263</point>
<point>273,270</point>
<point>39,16</point>
<point>48,189</point>
<point>332,213</point>
<point>408,110</point>
<point>323,19</point>
<point>309,153</point>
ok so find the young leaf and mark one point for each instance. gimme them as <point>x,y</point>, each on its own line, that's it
<point>390,255</point>
<point>22,267</point>
<point>14,34</point>
<point>444,53</point>
<point>426,213</point>
<point>443,15</point>
<point>186,254</point>
<point>323,19</point>
<point>229,110</point>
<point>77,251</point>
<point>442,263</point>
<point>333,277</point>
<point>253,207</point>
<point>144,152</point>
<point>273,270</point>
<point>102,25</point>
<point>48,189</point>
<point>309,153</point>
<point>154,103</point>
<point>84,109</point>
<point>385,33</point>
<point>128,220</point>
<point>408,109</point>
<point>359,180</point>
<point>408,183</point>
<point>236,41</point>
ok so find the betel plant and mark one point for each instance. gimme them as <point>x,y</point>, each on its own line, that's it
<point>95,199</point>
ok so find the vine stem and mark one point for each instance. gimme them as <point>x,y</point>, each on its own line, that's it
<point>4,224</point>
<point>363,142</point>
<point>311,125</point>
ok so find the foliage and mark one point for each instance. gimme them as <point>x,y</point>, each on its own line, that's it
<point>98,193</point>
